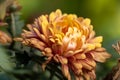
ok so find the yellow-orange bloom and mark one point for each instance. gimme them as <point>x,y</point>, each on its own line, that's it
<point>69,40</point>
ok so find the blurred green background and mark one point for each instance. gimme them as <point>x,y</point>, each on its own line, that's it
<point>104,14</point>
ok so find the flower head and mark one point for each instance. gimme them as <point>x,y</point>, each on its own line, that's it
<point>117,47</point>
<point>4,38</point>
<point>7,7</point>
<point>69,40</point>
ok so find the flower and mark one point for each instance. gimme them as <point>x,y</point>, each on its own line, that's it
<point>117,47</point>
<point>69,40</point>
<point>7,7</point>
<point>4,38</point>
<point>2,23</point>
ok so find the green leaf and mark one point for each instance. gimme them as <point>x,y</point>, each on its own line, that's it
<point>5,63</point>
<point>3,76</point>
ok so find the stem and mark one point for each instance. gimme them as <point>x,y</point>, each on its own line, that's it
<point>53,68</point>
<point>51,74</point>
<point>13,25</point>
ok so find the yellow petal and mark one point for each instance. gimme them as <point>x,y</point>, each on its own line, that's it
<point>48,52</point>
<point>87,21</point>
<point>58,12</point>
<point>89,47</point>
<point>97,45</point>
<point>80,56</point>
<point>52,16</point>
<point>44,24</point>
<point>97,39</point>
<point>77,65</point>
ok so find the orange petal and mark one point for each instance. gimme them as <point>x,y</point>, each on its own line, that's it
<point>30,27</point>
<point>77,67</point>
<point>41,36</point>
<point>35,43</point>
<point>92,74</point>
<point>79,77</point>
<point>80,56</point>
<point>101,56</point>
<point>48,52</point>
<point>90,62</point>
<point>68,53</point>
<point>63,60</point>
<point>85,65</point>
<point>66,72</point>
<point>86,75</point>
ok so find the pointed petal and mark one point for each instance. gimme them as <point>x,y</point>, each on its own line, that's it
<point>44,25</point>
<point>85,65</point>
<point>92,74</point>
<point>87,76</point>
<point>62,60</point>
<point>87,21</point>
<point>41,36</point>
<point>97,39</point>
<point>101,56</point>
<point>80,56</point>
<point>79,78</point>
<point>66,72</point>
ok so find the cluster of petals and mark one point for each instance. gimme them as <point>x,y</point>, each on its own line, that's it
<point>68,40</point>
<point>4,38</point>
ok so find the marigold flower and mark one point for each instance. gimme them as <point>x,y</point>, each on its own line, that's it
<point>69,40</point>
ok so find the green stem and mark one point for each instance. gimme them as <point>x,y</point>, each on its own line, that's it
<point>52,74</point>
<point>53,68</point>
<point>13,25</point>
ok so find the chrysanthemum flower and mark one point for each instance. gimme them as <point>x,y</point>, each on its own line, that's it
<point>69,40</point>
<point>117,47</point>
<point>8,6</point>
<point>4,38</point>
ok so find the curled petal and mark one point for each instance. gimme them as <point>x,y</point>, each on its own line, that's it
<point>79,78</point>
<point>80,56</point>
<point>97,39</point>
<point>61,59</point>
<point>4,38</point>
<point>87,21</point>
<point>87,76</point>
<point>92,74</point>
<point>100,56</point>
<point>66,72</point>
<point>86,65</point>
<point>35,43</point>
